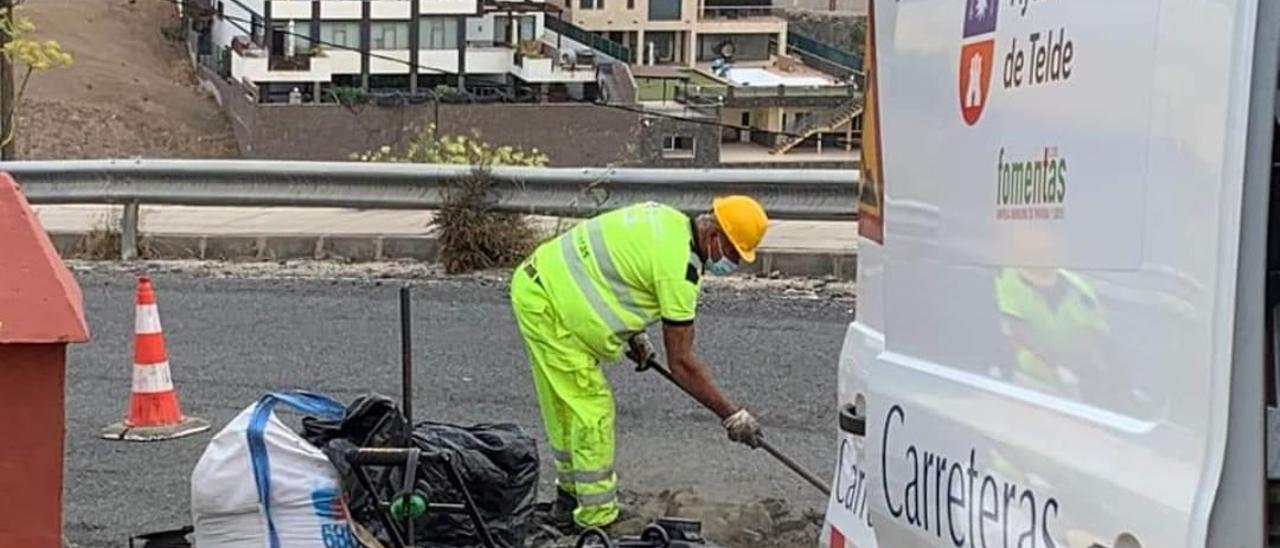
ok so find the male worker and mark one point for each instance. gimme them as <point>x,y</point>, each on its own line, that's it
<point>580,297</point>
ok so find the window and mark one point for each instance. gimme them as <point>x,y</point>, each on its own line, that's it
<point>802,120</point>
<point>301,35</point>
<point>664,46</point>
<point>388,35</point>
<point>631,4</point>
<point>587,4</point>
<point>742,47</point>
<point>255,24</point>
<point>438,33</point>
<point>677,146</point>
<point>527,26</point>
<point>340,34</point>
<point>664,10</point>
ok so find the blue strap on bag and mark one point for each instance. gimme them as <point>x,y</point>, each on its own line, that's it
<point>310,403</point>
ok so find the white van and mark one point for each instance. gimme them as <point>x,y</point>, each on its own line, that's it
<point>1067,279</point>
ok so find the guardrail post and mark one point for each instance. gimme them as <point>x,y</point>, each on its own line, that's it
<point>129,232</point>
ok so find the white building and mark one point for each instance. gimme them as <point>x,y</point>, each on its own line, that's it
<point>306,48</point>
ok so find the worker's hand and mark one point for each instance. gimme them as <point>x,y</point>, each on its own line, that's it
<point>743,428</point>
<point>640,351</point>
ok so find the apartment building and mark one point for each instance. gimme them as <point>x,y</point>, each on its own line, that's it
<point>684,32</point>
<point>781,112</point>
<point>302,50</point>
<point>779,96</point>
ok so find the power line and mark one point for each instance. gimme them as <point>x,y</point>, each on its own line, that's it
<point>647,112</point>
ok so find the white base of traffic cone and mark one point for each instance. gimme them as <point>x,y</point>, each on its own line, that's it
<point>189,425</point>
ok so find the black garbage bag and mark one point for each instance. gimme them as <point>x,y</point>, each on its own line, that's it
<point>498,464</point>
<point>370,421</point>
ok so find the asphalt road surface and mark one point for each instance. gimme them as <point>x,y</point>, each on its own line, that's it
<point>232,339</point>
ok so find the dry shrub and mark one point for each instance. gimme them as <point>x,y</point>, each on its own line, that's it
<point>473,236</point>
<point>102,243</point>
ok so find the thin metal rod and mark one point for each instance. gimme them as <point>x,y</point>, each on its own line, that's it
<point>769,448</point>
<point>361,476</point>
<point>406,357</point>
<point>410,473</point>
<point>455,477</point>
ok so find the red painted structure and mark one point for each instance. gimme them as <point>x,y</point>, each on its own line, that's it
<point>40,313</point>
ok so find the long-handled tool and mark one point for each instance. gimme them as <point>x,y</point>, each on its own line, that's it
<point>808,476</point>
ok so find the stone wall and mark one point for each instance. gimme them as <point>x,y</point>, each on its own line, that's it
<point>706,138</point>
<point>571,134</point>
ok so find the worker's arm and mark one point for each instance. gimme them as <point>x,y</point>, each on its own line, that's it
<point>690,372</point>
<point>677,292</point>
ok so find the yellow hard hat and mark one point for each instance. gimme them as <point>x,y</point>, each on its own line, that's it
<point>742,219</point>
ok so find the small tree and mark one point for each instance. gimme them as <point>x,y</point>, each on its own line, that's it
<point>26,55</point>
<point>473,236</point>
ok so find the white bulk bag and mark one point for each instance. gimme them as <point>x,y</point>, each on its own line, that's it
<point>260,485</point>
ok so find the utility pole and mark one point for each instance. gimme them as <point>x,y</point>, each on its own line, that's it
<point>9,150</point>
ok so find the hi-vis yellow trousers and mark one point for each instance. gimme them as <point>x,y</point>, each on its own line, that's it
<point>575,400</point>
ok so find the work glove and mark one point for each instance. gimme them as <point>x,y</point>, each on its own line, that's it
<point>743,428</point>
<point>640,351</point>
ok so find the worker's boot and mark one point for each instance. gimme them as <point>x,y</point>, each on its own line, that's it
<point>557,514</point>
<point>562,510</point>
<point>626,524</point>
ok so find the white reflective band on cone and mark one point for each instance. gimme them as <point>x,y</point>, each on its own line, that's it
<point>150,379</point>
<point>147,319</point>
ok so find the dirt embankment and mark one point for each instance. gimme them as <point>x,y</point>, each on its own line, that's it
<point>131,91</point>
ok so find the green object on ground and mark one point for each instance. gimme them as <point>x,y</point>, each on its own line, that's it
<point>416,507</point>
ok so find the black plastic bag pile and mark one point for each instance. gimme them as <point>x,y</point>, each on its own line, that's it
<point>498,463</point>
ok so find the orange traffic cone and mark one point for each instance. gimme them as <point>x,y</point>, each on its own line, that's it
<point>154,413</point>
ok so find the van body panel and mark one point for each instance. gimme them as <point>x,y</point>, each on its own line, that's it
<point>848,514</point>
<point>1239,512</point>
<point>1052,311</point>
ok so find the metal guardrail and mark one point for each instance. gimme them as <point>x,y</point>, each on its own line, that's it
<point>819,194</point>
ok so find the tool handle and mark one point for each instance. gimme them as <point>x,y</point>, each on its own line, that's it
<point>795,467</point>
<point>378,456</point>
<point>785,460</point>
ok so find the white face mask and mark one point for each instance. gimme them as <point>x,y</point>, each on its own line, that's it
<point>722,266</point>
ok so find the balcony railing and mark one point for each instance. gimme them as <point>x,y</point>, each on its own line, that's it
<point>807,45</point>
<point>299,63</point>
<point>731,13</point>
<point>715,94</point>
<point>590,39</point>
